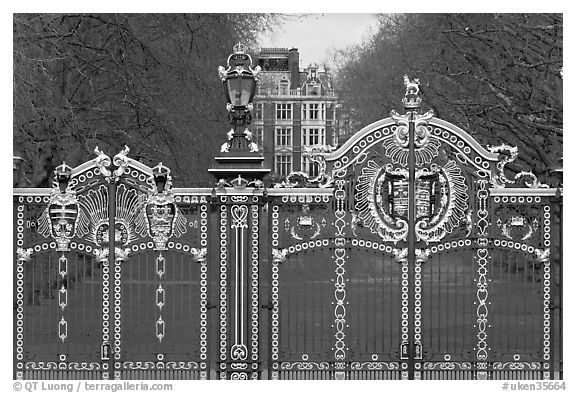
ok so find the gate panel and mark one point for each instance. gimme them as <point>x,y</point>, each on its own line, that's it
<point>448,316</point>
<point>374,311</point>
<point>62,314</point>
<point>516,312</point>
<point>161,306</point>
<point>306,315</point>
<point>236,249</point>
<point>304,290</point>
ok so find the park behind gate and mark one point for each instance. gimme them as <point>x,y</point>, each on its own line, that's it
<point>413,254</point>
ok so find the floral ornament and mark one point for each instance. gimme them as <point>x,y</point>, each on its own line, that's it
<point>279,255</point>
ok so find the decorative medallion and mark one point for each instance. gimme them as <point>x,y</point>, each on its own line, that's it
<point>517,223</point>
<point>307,225</point>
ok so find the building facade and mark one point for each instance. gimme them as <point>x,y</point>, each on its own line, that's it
<point>293,109</point>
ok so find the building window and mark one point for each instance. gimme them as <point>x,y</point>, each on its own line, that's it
<point>313,111</point>
<point>313,136</point>
<point>273,64</point>
<point>283,137</point>
<point>259,111</point>
<point>258,136</point>
<point>283,111</point>
<point>311,168</point>
<point>283,164</point>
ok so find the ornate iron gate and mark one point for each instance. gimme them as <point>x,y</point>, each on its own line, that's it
<point>411,255</point>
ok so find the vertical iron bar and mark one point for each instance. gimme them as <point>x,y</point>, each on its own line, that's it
<point>560,305</point>
<point>411,240</point>
<point>112,264</point>
<point>269,286</point>
<point>15,285</point>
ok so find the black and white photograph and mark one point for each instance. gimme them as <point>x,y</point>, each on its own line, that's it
<point>333,196</point>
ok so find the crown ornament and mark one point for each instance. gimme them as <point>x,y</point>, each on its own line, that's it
<point>239,49</point>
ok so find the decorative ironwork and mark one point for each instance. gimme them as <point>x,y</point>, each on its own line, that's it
<point>361,222</point>
<point>317,155</point>
<point>59,220</point>
<point>24,254</point>
<point>447,366</point>
<point>509,154</point>
<point>103,162</point>
<point>162,215</point>
<point>223,288</point>
<point>396,148</point>
<point>482,280</point>
<point>279,256</point>
<point>203,292</point>
<point>373,366</point>
<point>382,201</point>
<point>340,281</point>
<point>307,225</point>
<point>519,223</point>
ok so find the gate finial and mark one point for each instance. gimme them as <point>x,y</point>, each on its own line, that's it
<point>412,97</point>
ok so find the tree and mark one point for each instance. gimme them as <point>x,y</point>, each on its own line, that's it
<point>498,76</point>
<point>145,80</point>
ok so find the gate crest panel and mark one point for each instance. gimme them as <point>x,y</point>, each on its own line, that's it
<point>81,275</point>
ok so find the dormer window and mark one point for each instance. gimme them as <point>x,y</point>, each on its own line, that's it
<point>313,89</point>
<point>284,87</point>
<point>313,73</point>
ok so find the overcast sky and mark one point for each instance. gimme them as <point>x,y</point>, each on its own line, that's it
<point>315,34</point>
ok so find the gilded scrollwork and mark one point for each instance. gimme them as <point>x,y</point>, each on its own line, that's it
<point>103,161</point>
<point>317,155</point>
<point>121,161</point>
<point>507,155</point>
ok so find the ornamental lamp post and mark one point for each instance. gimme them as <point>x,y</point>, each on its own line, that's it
<point>240,162</point>
<point>239,81</point>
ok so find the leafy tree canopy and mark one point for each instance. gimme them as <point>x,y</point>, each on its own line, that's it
<point>145,80</point>
<point>497,76</point>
